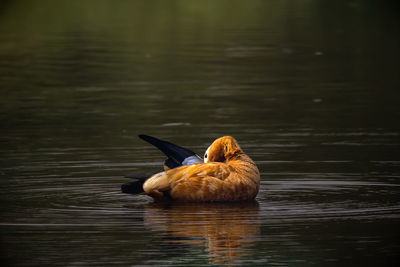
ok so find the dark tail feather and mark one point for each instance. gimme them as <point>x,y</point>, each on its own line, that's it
<point>176,154</point>
<point>135,187</point>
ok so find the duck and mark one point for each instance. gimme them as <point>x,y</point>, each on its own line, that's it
<point>224,174</point>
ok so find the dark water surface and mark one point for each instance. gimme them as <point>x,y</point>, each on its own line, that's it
<point>309,88</point>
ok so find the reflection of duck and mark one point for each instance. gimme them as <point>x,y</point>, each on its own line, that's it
<point>225,229</point>
<point>227,174</point>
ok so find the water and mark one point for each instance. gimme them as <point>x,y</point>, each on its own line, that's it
<point>310,95</point>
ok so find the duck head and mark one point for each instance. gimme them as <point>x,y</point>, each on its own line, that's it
<point>222,149</point>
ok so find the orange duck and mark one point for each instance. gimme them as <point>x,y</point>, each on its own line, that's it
<point>227,174</point>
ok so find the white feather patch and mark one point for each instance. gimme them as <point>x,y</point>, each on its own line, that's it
<point>206,155</point>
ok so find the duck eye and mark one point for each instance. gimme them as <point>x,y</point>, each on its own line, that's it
<point>205,156</point>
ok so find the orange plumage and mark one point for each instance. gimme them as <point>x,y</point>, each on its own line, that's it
<point>227,174</point>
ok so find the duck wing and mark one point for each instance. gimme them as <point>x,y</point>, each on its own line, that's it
<point>177,155</point>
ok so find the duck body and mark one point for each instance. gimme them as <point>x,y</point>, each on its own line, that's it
<point>227,174</point>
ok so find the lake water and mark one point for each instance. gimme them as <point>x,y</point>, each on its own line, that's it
<point>310,89</point>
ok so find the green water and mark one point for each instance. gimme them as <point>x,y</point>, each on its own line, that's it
<point>309,88</point>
